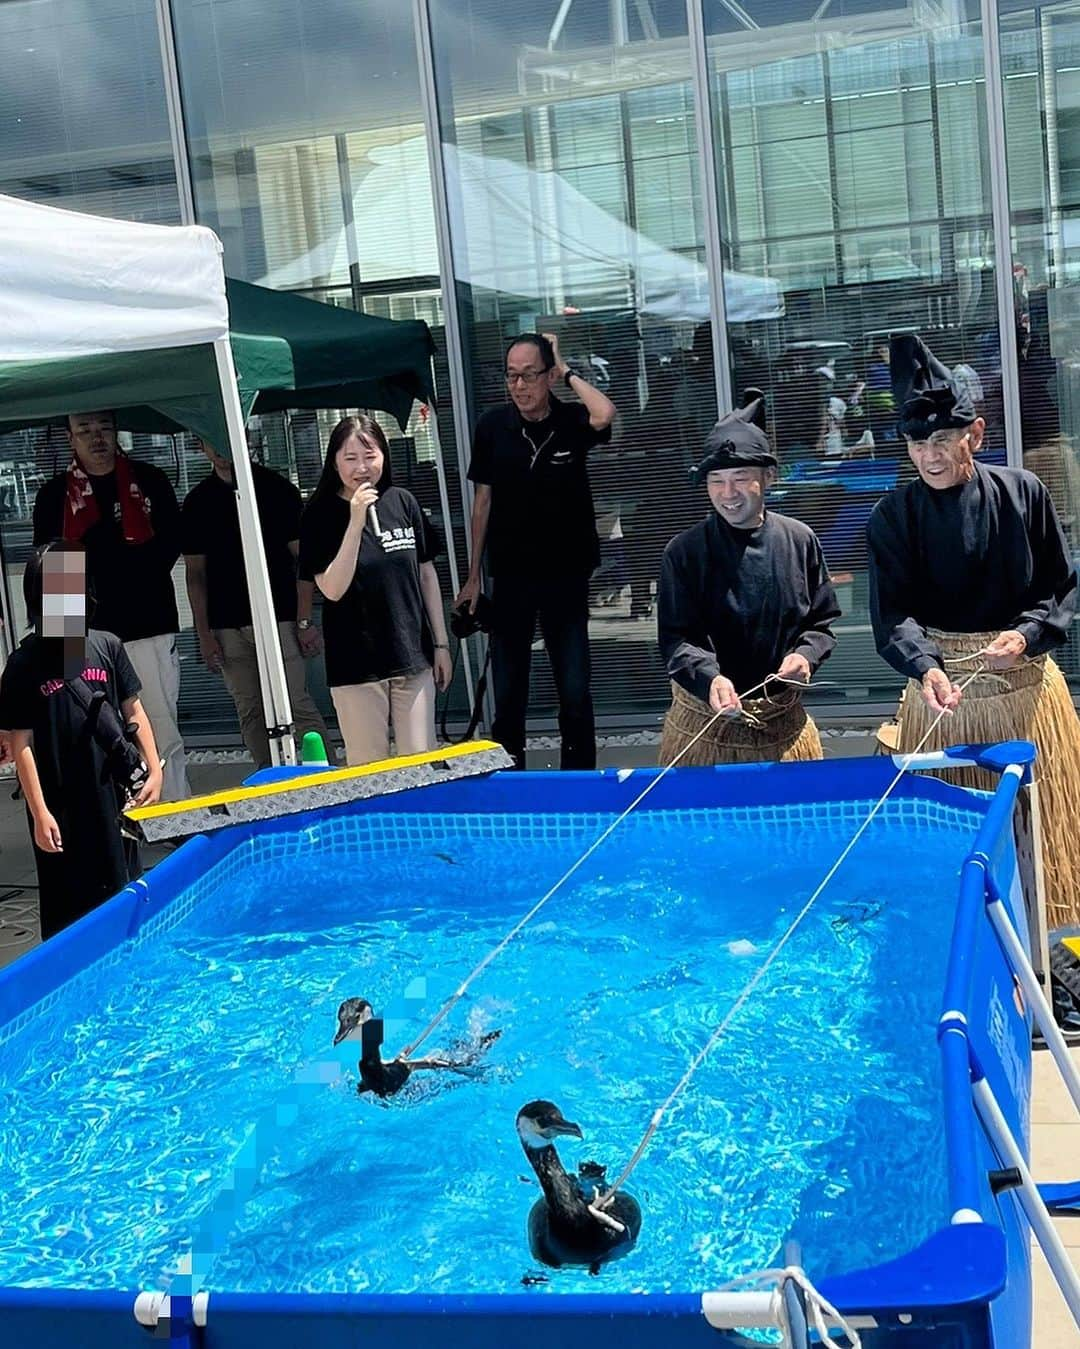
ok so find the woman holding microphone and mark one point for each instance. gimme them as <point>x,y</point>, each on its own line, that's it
<point>369,549</point>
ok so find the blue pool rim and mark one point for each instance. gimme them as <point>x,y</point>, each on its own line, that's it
<point>970,1280</point>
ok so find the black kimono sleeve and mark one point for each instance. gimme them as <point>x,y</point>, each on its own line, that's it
<point>1045,623</point>
<point>682,630</point>
<point>816,640</point>
<point>899,638</point>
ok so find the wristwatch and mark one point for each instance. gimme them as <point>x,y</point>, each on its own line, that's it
<point>570,373</point>
<point>303,624</point>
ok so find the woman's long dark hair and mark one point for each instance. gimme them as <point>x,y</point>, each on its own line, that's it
<point>34,586</point>
<point>329,483</point>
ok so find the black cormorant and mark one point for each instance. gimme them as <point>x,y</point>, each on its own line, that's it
<point>568,1226</point>
<point>356,1021</point>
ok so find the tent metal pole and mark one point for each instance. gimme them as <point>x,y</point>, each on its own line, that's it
<point>451,551</point>
<point>272,681</point>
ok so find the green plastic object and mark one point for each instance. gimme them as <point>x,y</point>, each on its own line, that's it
<point>313,750</point>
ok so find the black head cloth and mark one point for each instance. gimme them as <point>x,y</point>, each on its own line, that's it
<point>738,440</point>
<point>923,389</point>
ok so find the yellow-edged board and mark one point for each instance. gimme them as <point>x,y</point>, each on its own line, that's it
<point>310,791</point>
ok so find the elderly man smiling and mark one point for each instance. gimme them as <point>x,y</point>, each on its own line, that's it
<point>745,605</point>
<point>970,575</point>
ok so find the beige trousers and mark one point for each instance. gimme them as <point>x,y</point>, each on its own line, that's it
<point>157,663</point>
<point>241,672</point>
<point>367,711</point>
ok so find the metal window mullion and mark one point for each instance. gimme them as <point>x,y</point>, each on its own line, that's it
<point>174,104</point>
<point>714,261</point>
<point>455,351</point>
<point>455,348</point>
<point>1003,253</point>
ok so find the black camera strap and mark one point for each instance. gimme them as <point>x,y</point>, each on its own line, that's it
<point>478,700</point>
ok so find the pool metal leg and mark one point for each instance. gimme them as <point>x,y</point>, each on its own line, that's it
<point>1035,1210</point>
<point>1041,1010</point>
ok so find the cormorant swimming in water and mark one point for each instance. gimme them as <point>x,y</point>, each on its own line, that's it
<point>566,1227</point>
<point>356,1021</point>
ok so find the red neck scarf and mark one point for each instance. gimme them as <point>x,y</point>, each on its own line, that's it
<point>82,512</point>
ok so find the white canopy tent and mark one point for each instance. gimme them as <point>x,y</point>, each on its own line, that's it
<point>98,313</point>
<point>516,230</point>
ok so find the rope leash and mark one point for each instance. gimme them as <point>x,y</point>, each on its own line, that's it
<point>818,1307</point>
<point>456,997</point>
<point>744,996</point>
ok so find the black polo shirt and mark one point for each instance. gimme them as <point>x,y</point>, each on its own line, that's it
<point>211,528</point>
<point>542,517</point>
<point>131,582</point>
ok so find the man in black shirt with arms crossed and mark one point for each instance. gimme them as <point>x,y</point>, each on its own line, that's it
<point>533,509</point>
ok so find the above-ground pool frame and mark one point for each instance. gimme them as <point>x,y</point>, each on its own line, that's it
<point>954,1283</point>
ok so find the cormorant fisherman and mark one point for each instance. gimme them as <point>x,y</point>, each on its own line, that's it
<point>969,568</point>
<point>569,1226</point>
<point>743,595</point>
<point>356,1021</point>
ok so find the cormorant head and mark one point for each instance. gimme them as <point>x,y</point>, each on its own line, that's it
<point>541,1121</point>
<point>351,1016</point>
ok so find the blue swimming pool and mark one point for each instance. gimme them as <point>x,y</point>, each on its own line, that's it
<point>172,1116</point>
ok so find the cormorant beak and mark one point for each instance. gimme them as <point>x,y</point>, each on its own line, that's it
<point>352,1014</point>
<point>563,1126</point>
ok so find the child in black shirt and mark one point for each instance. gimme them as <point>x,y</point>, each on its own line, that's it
<point>60,741</point>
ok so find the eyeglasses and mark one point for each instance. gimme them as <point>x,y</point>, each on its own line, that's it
<point>524,376</point>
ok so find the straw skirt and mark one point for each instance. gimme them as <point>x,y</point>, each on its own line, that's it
<point>780,730</point>
<point>1029,702</point>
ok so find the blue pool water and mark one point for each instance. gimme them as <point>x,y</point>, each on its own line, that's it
<point>183,1104</point>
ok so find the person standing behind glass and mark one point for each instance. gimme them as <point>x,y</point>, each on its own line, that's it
<point>124,513</point>
<point>533,509</point>
<point>220,604</point>
<point>368,547</point>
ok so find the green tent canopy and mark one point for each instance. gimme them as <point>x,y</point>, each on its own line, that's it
<point>289,352</point>
<point>340,358</point>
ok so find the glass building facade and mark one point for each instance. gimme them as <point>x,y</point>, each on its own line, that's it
<point>698,196</point>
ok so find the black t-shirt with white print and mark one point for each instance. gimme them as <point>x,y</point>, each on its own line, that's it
<point>378,629</point>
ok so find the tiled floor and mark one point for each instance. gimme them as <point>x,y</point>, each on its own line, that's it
<point>1055,1122</point>
<point>1055,1155</point>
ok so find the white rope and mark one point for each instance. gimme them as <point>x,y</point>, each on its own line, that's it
<point>456,997</point>
<point>819,1309</point>
<point>743,997</point>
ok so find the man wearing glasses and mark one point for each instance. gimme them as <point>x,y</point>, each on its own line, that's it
<point>533,510</point>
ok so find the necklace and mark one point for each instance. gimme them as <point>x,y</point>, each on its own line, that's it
<point>535,448</point>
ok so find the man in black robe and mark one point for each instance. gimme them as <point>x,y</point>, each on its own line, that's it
<point>970,574</point>
<point>745,608</point>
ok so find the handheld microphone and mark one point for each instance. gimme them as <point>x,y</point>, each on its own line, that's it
<point>373,520</point>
